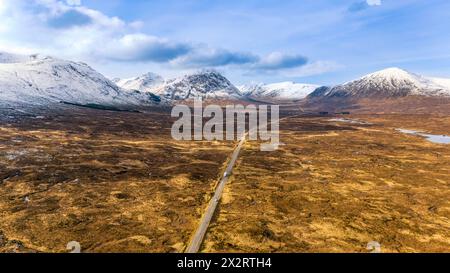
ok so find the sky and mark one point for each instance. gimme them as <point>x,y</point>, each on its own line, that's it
<point>311,41</point>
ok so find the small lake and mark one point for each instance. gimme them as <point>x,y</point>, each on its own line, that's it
<point>353,121</point>
<point>440,139</point>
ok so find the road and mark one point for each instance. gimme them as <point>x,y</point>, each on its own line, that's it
<point>197,239</point>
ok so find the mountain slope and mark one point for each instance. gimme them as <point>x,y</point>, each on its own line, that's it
<point>387,83</point>
<point>280,91</point>
<point>206,84</point>
<point>40,80</point>
<point>143,83</point>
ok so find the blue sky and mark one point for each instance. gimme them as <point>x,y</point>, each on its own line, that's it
<point>312,41</point>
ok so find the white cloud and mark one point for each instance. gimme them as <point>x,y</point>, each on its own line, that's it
<point>142,48</point>
<point>374,2</point>
<point>202,56</point>
<point>137,24</point>
<point>64,30</point>
<point>73,2</point>
<point>312,69</point>
<point>67,29</point>
<point>2,6</point>
<point>279,60</point>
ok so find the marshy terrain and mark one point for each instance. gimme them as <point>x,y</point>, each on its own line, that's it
<point>118,182</point>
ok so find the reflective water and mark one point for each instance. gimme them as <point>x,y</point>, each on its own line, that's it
<point>354,121</point>
<point>441,139</point>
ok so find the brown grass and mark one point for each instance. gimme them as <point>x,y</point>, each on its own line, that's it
<point>334,187</point>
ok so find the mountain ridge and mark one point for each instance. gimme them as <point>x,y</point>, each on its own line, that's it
<point>37,79</point>
<point>43,80</point>
<point>287,90</point>
<point>207,84</point>
<point>387,83</point>
<point>145,83</point>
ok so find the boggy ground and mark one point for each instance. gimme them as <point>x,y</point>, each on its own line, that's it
<point>335,187</point>
<point>112,181</point>
<point>117,182</point>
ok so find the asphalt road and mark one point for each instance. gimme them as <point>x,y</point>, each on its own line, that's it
<point>197,239</point>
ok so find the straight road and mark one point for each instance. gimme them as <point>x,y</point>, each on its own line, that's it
<point>196,241</point>
<point>194,245</point>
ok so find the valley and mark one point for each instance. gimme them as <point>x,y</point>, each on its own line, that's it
<point>117,182</point>
<point>224,135</point>
<point>88,159</point>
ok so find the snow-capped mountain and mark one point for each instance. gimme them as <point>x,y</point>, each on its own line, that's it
<point>40,80</point>
<point>247,89</point>
<point>280,91</point>
<point>387,83</point>
<point>441,82</point>
<point>206,84</point>
<point>144,83</point>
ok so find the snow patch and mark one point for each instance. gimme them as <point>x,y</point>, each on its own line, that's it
<point>281,90</point>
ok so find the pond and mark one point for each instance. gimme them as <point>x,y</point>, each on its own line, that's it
<point>353,121</point>
<point>441,139</point>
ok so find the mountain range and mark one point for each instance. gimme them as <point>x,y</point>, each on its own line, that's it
<point>278,91</point>
<point>41,80</point>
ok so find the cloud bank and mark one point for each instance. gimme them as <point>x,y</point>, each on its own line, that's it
<point>374,2</point>
<point>71,30</point>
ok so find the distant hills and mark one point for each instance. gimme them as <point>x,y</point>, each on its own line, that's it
<point>42,80</point>
<point>387,83</point>
<point>278,91</point>
<point>205,84</point>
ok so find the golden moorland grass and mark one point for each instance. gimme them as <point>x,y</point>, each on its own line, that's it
<point>335,187</point>
<point>114,182</point>
<point>117,182</point>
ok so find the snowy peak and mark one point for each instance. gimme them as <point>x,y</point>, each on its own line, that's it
<point>41,81</point>
<point>281,90</point>
<point>206,84</point>
<point>392,73</point>
<point>387,83</point>
<point>251,88</point>
<point>144,83</point>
